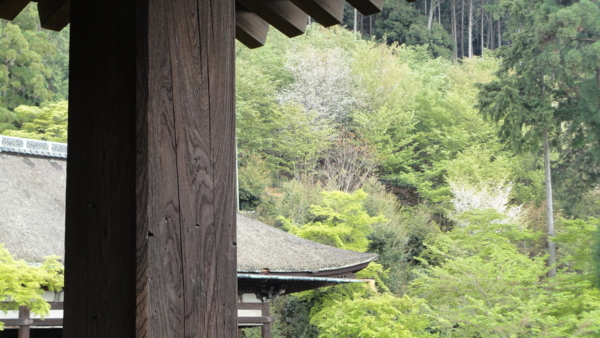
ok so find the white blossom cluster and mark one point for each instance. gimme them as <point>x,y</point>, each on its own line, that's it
<point>495,197</point>
<point>323,83</point>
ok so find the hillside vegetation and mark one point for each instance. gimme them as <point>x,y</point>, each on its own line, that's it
<point>398,140</point>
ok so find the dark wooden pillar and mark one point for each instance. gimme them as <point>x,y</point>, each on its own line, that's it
<point>150,237</point>
<point>24,330</point>
<point>266,327</point>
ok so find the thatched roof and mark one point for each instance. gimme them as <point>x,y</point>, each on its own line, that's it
<point>263,247</point>
<point>32,205</point>
<point>32,212</point>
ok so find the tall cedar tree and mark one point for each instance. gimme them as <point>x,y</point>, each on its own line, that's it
<point>548,86</point>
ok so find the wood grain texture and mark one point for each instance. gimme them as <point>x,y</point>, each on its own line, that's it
<point>325,12</point>
<point>101,202</point>
<point>142,227</point>
<point>219,273</point>
<point>250,29</point>
<point>150,248</point>
<point>9,9</point>
<point>367,7</point>
<point>166,303</point>
<point>281,14</point>
<point>194,169</point>
<point>54,14</point>
<point>191,261</point>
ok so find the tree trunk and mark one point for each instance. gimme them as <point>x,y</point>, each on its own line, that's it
<point>462,29</point>
<point>482,30</point>
<point>453,24</point>
<point>490,38</point>
<point>549,208</point>
<point>355,20</point>
<point>431,10</point>
<point>470,29</point>
<point>499,34</point>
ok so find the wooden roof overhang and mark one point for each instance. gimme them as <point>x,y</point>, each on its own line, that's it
<point>284,284</point>
<point>253,17</point>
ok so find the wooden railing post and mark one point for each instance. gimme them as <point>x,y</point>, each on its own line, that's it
<point>25,316</point>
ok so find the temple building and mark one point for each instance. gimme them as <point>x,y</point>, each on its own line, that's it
<point>270,263</point>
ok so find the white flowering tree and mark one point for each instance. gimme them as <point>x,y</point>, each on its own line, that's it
<point>494,196</point>
<point>322,83</point>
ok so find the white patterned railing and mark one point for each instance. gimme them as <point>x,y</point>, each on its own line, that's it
<point>33,147</point>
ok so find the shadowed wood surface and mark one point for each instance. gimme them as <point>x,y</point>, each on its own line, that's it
<point>100,212</point>
<point>288,16</point>
<point>54,14</point>
<point>281,14</point>
<point>325,12</point>
<point>250,29</point>
<point>9,9</point>
<point>367,7</point>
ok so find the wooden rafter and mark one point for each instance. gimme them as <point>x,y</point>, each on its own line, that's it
<point>367,7</point>
<point>54,14</point>
<point>281,14</point>
<point>326,12</point>
<point>250,29</point>
<point>9,9</point>
<point>252,16</point>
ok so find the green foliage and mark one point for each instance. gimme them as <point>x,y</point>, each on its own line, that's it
<point>291,201</point>
<point>21,284</point>
<point>596,256</point>
<point>48,123</point>
<point>340,221</point>
<point>284,134</point>
<point>479,283</point>
<point>292,318</point>
<point>399,241</point>
<point>400,23</point>
<point>375,316</point>
<point>33,65</point>
<point>549,81</point>
<point>253,179</point>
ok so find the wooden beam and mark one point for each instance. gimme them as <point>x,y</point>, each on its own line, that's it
<point>33,322</point>
<point>150,216</point>
<point>250,29</point>
<point>53,305</point>
<point>54,14</point>
<point>326,12</point>
<point>254,320</point>
<point>367,7</point>
<point>281,14</point>
<point>250,306</point>
<point>9,9</point>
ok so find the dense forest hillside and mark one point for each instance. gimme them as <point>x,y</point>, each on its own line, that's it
<point>383,148</point>
<point>428,134</point>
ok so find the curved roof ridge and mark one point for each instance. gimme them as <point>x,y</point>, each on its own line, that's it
<point>261,246</point>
